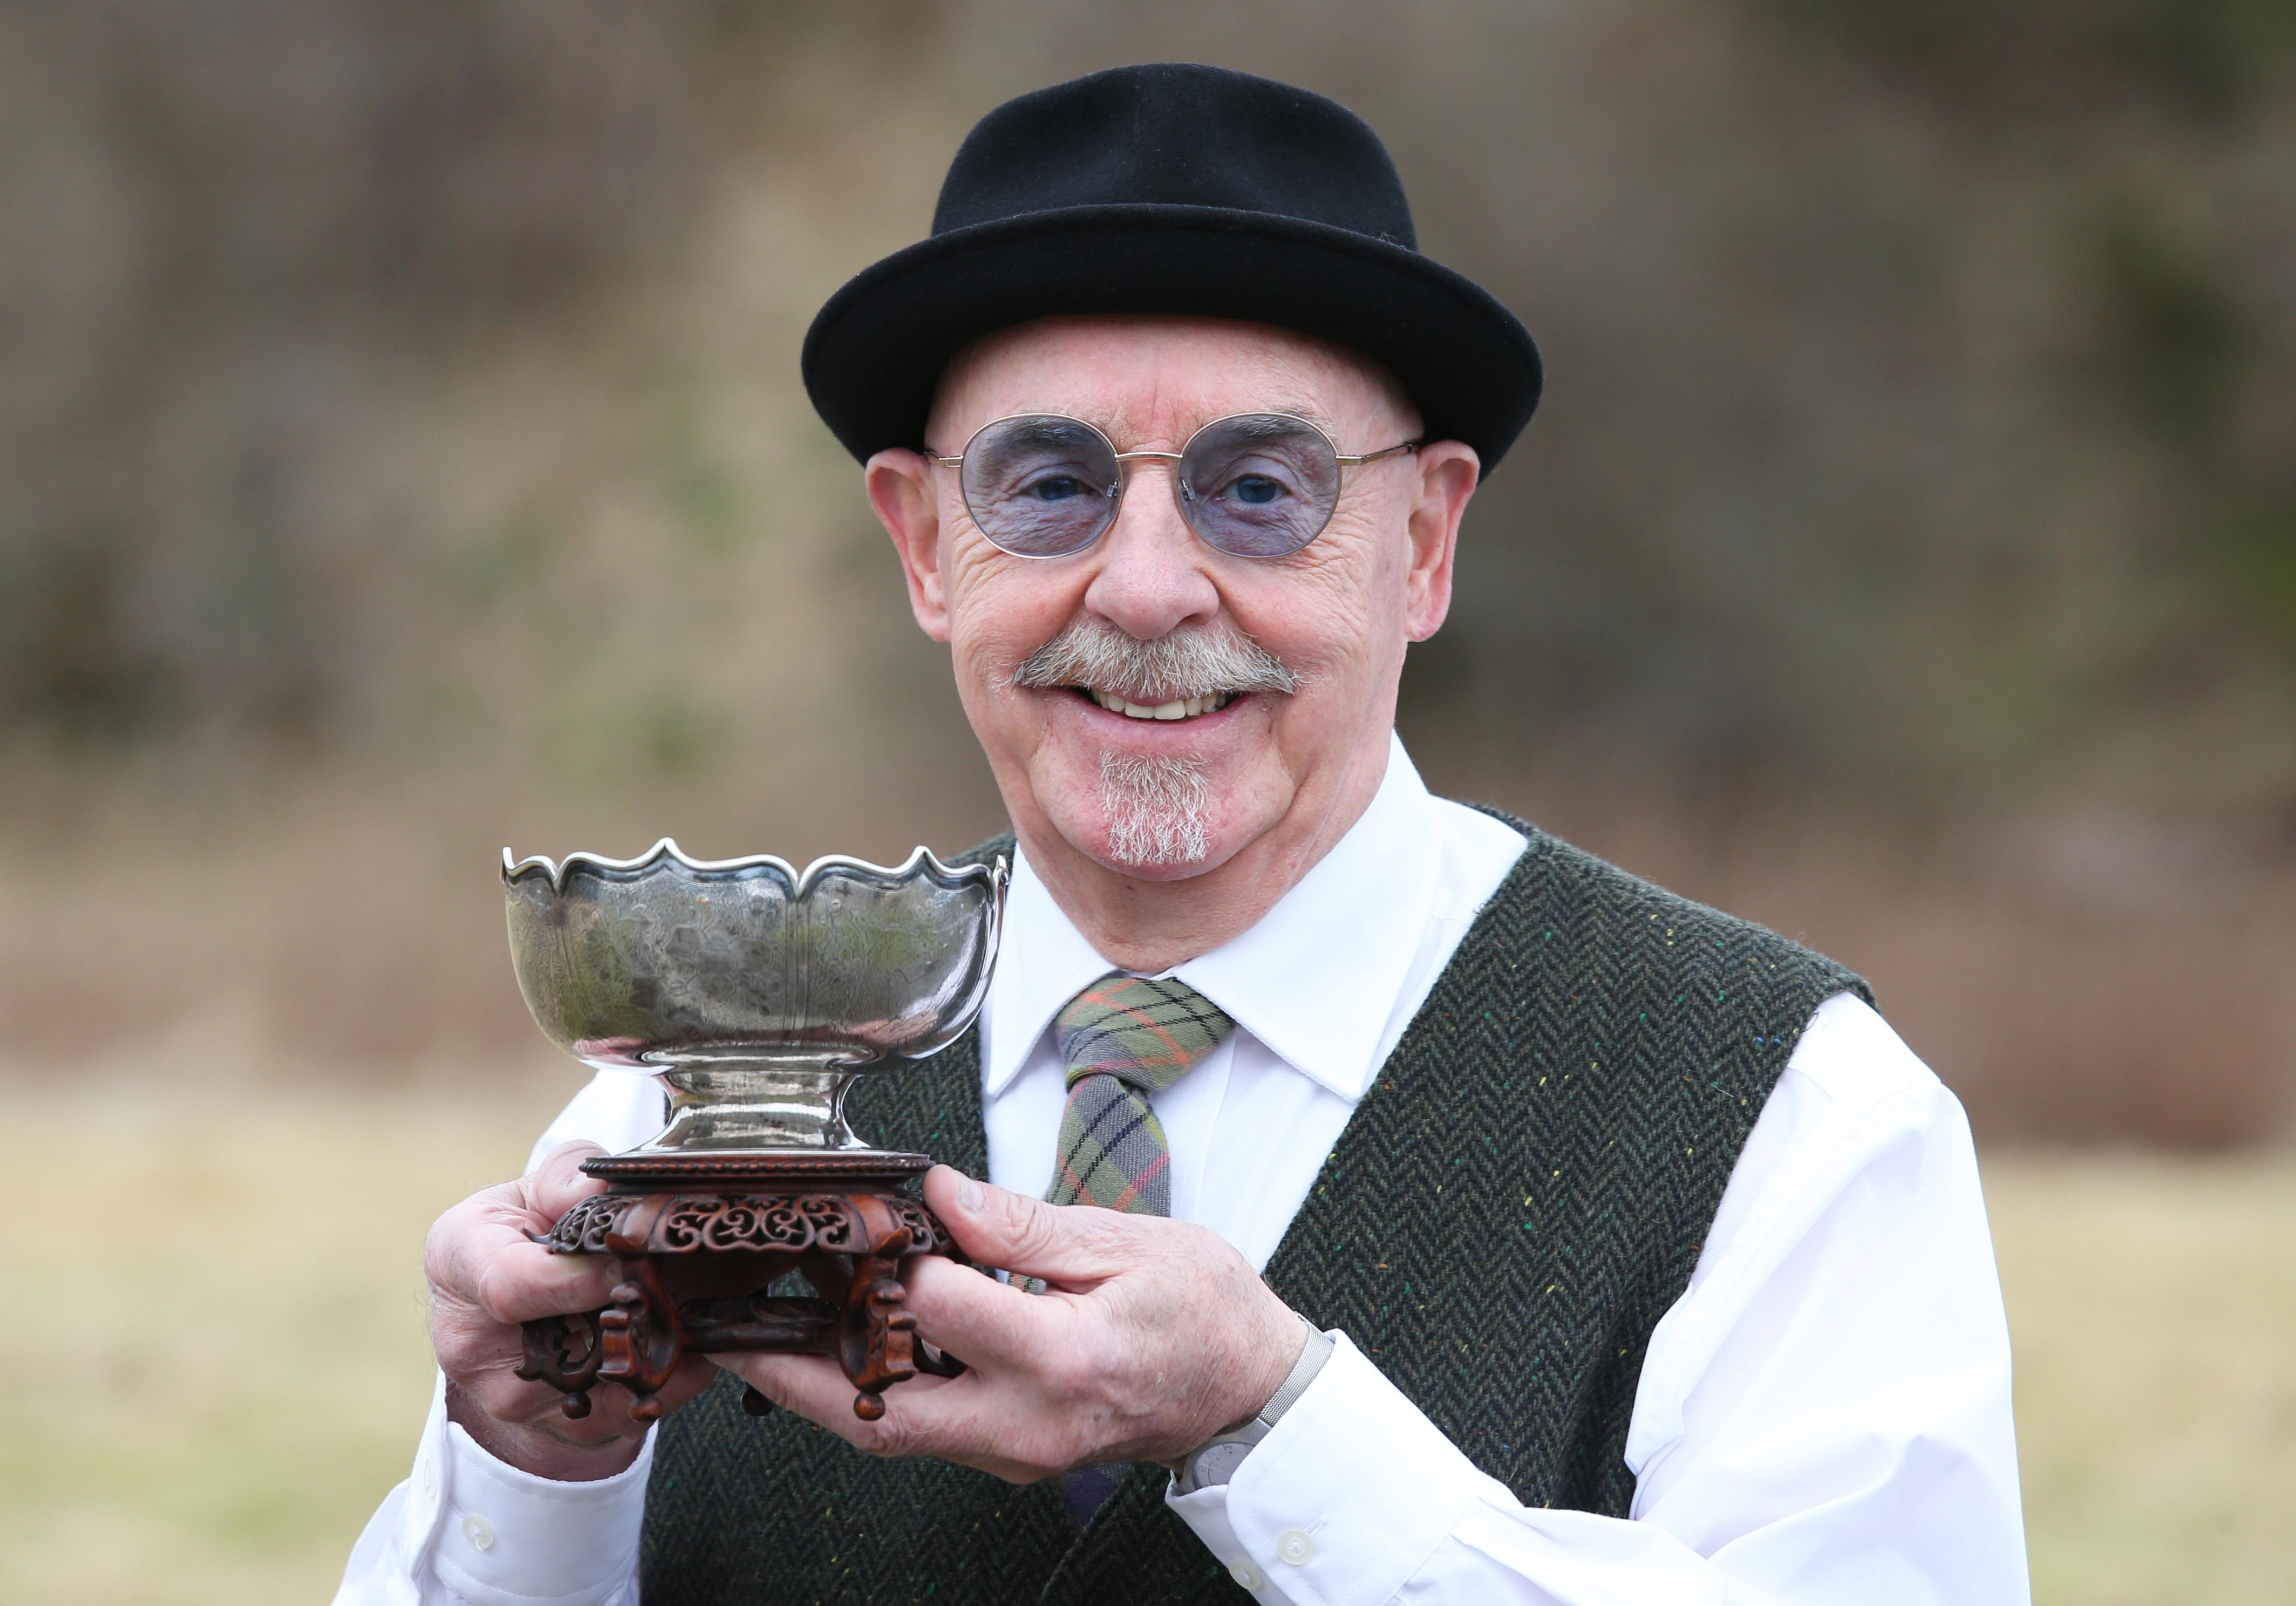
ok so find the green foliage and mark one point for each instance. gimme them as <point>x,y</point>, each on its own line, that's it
<point>674,732</point>
<point>703,493</point>
<point>2178,342</point>
<point>2184,349</point>
<point>498,564</point>
<point>2207,58</point>
<point>71,660</point>
<point>656,727</point>
<point>2256,548</point>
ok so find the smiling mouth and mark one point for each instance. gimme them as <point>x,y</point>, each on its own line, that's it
<point>1185,707</point>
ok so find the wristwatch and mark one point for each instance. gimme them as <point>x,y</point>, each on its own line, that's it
<point>1215,1462</point>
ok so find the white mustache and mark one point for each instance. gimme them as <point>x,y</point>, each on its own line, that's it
<point>1191,661</point>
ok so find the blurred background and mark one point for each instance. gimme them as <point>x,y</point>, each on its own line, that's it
<point>404,456</point>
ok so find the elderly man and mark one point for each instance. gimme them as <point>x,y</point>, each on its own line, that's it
<point>1397,1203</point>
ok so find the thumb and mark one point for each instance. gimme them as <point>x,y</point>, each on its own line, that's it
<point>556,1185</point>
<point>1071,1245</point>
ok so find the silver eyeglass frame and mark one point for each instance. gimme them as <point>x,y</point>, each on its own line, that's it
<point>1179,498</point>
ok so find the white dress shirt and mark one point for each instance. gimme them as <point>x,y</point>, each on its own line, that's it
<point>1821,1417</point>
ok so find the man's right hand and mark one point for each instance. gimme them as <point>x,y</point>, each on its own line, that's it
<point>487,1276</point>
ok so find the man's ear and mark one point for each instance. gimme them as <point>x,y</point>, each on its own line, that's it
<point>900,489</point>
<point>1447,472</point>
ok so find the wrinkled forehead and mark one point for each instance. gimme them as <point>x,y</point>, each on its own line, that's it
<point>1154,380</point>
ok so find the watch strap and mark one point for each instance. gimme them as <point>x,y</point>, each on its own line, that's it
<point>1313,1354</point>
<point>1202,1470</point>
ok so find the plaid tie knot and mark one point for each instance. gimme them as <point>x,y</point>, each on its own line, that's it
<point>1123,1038</point>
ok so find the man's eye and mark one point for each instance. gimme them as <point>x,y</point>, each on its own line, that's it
<point>1255,489</point>
<point>1057,488</point>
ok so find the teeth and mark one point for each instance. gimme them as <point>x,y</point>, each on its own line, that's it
<point>1186,708</point>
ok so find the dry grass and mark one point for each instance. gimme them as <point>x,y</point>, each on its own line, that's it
<point>2154,1303</point>
<point>212,1416</point>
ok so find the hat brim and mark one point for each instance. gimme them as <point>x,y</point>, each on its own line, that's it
<point>876,352</point>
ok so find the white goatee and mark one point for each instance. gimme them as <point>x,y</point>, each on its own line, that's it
<point>1156,809</point>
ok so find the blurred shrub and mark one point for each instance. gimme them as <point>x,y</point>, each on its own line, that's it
<point>2160,115</point>
<point>230,234</point>
<point>416,378</point>
<point>2203,58</point>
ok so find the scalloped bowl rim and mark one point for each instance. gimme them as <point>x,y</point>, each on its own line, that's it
<point>668,852</point>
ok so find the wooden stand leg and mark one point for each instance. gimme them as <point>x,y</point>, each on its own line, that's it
<point>642,1335</point>
<point>877,1341</point>
<point>849,1246</point>
<point>564,1352</point>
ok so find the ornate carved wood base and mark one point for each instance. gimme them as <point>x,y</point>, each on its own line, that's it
<point>693,1268</point>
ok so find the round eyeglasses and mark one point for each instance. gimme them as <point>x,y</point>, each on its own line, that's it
<point>1255,485</point>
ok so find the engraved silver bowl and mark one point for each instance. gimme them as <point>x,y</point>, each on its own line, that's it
<point>753,992</point>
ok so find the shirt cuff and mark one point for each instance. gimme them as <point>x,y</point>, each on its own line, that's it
<point>500,1536</point>
<point>1346,1497</point>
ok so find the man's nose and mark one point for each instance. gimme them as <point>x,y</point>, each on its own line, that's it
<point>1152,578</point>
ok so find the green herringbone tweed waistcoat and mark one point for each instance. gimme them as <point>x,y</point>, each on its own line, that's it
<point>1562,1114</point>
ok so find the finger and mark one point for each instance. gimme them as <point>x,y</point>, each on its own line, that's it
<point>816,1389</point>
<point>1072,1245</point>
<point>556,1185</point>
<point>949,1417</point>
<point>506,1398</point>
<point>521,1280</point>
<point>985,1322</point>
<point>812,1386</point>
<point>478,1254</point>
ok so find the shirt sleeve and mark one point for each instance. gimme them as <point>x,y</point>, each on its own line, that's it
<point>1824,1416</point>
<point>467,1527</point>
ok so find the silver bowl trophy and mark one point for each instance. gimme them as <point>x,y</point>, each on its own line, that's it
<point>754,995</point>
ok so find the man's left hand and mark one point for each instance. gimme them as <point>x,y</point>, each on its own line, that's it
<point>1152,1337</point>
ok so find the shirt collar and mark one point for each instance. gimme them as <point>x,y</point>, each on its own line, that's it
<point>1315,980</point>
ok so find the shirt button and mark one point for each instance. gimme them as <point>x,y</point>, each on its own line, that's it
<point>479,1531</point>
<point>1295,1547</point>
<point>1243,1572</point>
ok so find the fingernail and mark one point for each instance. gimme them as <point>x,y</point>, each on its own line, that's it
<point>969,1195</point>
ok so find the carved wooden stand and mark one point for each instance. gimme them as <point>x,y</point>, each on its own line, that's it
<point>697,1239</point>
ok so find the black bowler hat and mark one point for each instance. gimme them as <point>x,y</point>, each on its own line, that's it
<point>1170,189</point>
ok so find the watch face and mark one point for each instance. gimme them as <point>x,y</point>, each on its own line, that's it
<point>1216,1463</point>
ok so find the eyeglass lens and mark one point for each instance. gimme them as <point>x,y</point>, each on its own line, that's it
<point>1255,485</point>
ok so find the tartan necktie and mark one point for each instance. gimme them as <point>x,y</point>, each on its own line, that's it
<point>1123,1038</point>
